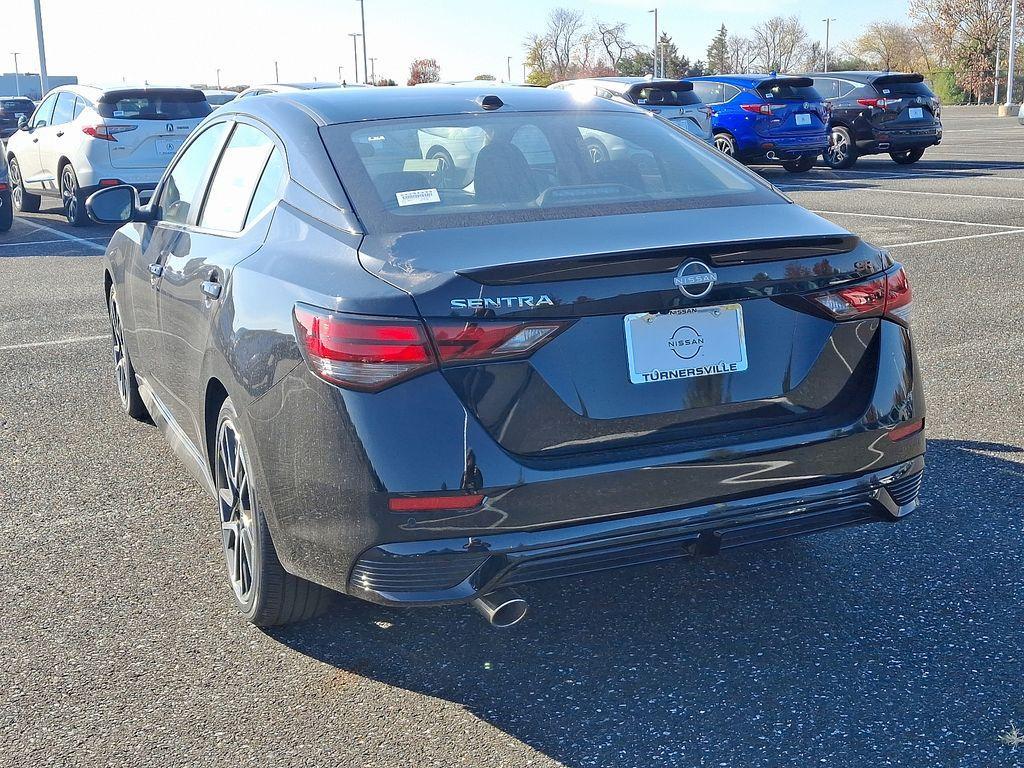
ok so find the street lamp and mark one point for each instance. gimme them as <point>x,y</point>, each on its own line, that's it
<point>17,76</point>
<point>508,68</point>
<point>1012,56</point>
<point>277,76</point>
<point>218,79</point>
<point>362,16</point>
<point>373,68</point>
<point>43,84</point>
<point>355,53</point>
<point>655,49</point>
<point>828,28</point>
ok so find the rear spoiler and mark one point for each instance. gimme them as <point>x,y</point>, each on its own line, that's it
<point>912,77</point>
<point>664,85</point>
<point>795,82</point>
<point>626,263</point>
<point>181,94</point>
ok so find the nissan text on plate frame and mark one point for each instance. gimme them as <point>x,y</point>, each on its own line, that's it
<point>422,360</point>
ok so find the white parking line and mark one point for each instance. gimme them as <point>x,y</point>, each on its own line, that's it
<point>54,342</point>
<point>43,242</point>
<point>962,237</point>
<point>824,185</point>
<point>913,218</point>
<point>63,235</point>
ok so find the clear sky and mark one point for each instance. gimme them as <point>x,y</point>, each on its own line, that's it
<point>185,41</point>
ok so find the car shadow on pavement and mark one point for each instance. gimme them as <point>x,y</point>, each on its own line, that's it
<point>884,640</point>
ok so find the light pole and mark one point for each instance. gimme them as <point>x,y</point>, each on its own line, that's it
<point>655,49</point>
<point>995,80</point>
<point>43,84</point>
<point>355,53</point>
<point>508,68</point>
<point>524,71</point>
<point>828,28</point>
<point>218,80</point>
<point>362,16</point>
<point>373,69</point>
<point>277,76</point>
<point>17,76</point>
<point>1012,55</point>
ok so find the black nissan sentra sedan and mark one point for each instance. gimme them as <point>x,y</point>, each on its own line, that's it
<point>423,345</point>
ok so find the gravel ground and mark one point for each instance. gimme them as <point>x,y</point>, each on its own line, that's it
<point>888,645</point>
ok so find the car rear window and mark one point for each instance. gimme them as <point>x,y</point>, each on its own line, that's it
<point>17,105</point>
<point>799,89</point>
<point>901,87</point>
<point>471,170</point>
<point>666,97</point>
<point>154,105</point>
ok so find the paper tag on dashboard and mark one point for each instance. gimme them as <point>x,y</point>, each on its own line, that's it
<point>428,165</point>
<point>418,197</point>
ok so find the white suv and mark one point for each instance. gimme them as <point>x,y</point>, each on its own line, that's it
<point>82,138</point>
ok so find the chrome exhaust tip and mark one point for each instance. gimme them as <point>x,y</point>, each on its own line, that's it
<point>772,156</point>
<point>502,608</point>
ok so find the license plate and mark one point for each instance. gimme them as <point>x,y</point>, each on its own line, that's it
<point>916,113</point>
<point>167,146</point>
<point>803,119</point>
<point>685,343</point>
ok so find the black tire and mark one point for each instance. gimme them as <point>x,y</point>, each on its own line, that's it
<point>907,156</point>
<point>842,151</point>
<point>23,201</point>
<point>124,372</point>
<point>6,211</point>
<point>725,144</point>
<point>265,593</point>
<point>800,165</point>
<point>72,198</point>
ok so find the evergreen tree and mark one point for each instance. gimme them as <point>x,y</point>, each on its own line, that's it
<point>718,53</point>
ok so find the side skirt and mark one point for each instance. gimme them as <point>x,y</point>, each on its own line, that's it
<point>190,456</point>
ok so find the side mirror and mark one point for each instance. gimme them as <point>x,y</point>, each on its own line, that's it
<point>23,122</point>
<point>114,205</point>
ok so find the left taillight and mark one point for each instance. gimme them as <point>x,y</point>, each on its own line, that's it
<point>359,352</point>
<point>106,132</point>
<point>887,295</point>
<point>368,353</point>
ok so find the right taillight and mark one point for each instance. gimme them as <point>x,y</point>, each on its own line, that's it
<point>106,132</point>
<point>887,295</point>
<point>760,109</point>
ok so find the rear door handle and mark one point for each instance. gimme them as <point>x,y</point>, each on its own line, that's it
<point>60,133</point>
<point>211,289</point>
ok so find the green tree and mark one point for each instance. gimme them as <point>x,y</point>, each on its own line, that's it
<point>485,77</point>
<point>718,53</point>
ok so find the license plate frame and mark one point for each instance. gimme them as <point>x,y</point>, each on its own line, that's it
<point>916,113</point>
<point>802,118</point>
<point>685,343</point>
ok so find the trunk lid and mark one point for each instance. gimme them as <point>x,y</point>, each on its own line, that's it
<point>149,125</point>
<point>797,108</point>
<point>574,395</point>
<point>909,103</point>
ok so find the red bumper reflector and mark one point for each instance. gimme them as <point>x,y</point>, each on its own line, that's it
<point>109,182</point>
<point>434,503</point>
<point>906,430</point>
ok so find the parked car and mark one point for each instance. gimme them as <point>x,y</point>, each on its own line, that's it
<point>12,109</point>
<point>82,138</point>
<point>674,100</point>
<point>6,206</point>
<point>766,118</point>
<point>260,90</point>
<point>418,393</point>
<point>875,112</point>
<point>218,98</point>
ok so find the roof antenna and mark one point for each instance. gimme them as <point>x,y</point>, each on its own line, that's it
<point>490,102</point>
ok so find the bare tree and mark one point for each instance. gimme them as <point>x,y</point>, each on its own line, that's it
<point>615,43</point>
<point>740,54</point>
<point>778,43</point>
<point>424,71</point>
<point>889,45</point>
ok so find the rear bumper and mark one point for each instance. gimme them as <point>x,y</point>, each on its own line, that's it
<point>456,570</point>
<point>784,148</point>
<point>898,140</point>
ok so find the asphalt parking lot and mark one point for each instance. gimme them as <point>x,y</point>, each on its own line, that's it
<point>887,645</point>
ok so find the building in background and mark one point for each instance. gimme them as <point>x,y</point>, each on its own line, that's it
<point>29,82</point>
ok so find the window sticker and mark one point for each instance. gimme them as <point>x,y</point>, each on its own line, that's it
<point>429,165</point>
<point>418,197</point>
<point>118,113</point>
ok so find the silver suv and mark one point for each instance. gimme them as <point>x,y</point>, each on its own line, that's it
<point>82,138</point>
<point>672,99</point>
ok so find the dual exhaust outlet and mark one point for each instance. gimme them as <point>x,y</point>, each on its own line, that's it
<point>501,608</point>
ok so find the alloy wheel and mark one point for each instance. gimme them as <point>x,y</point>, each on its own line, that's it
<point>237,512</point>
<point>724,144</point>
<point>17,193</point>
<point>838,148</point>
<point>69,194</point>
<point>120,359</point>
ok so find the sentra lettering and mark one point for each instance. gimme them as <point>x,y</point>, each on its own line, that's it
<point>503,302</point>
<point>689,373</point>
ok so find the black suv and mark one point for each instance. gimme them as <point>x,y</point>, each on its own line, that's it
<point>11,109</point>
<point>874,112</point>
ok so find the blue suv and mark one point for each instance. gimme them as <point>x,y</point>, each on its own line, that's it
<point>766,118</point>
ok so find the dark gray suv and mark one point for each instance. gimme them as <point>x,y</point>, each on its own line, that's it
<point>418,384</point>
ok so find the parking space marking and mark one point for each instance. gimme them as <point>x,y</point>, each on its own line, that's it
<point>915,218</point>
<point>823,184</point>
<point>44,242</point>
<point>63,235</point>
<point>1019,231</point>
<point>53,342</point>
